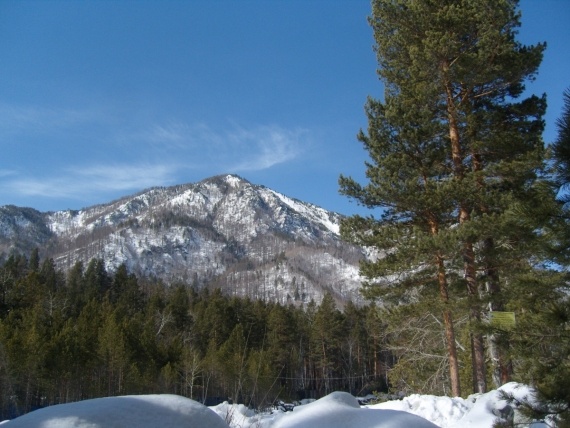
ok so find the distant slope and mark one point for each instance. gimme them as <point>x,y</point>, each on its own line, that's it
<point>222,232</point>
<point>22,229</point>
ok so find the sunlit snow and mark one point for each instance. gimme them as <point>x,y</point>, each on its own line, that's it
<point>128,411</point>
<point>318,214</point>
<point>336,410</point>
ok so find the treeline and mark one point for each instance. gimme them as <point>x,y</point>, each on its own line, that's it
<point>88,333</point>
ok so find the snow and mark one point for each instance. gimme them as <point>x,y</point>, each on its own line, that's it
<point>317,214</point>
<point>166,411</point>
<point>340,410</point>
<point>443,411</point>
<point>233,180</point>
<point>336,410</point>
<point>477,411</point>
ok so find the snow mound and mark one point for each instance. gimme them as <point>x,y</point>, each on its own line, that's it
<point>492,407</point>
<point>341,410</point>
<point>476,411</point>
<point>336,410</point>
<point>443,411</point>
<point>141,411</point>
<point>237,415</point>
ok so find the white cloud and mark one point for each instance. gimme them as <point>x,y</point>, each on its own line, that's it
<point>124,177</point>
<point>267,146</point>
<point>151,155</point>
<point>29,120</point>
<point>98,179</point>
<point>201,147</point>
<point>235,149</point>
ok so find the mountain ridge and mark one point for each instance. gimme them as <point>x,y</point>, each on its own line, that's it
<point>222,232</point>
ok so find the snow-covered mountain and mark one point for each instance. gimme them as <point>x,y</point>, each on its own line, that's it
<point>222,232</point>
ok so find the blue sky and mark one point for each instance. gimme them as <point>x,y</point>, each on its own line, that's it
<point>101,99</point>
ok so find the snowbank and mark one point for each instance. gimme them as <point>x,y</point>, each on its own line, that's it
<point>142,411</point>
<point>341,410</point>
<point>477,411</point>
<point>337,410</point>
<point>442,411</point>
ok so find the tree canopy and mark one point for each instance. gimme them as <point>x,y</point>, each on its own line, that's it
<point>456,171</point>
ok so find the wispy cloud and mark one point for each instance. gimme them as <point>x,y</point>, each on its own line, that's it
<point>125,177</point>
<point>126,155</point>
<point>267,146</point>
<point>235,148</point>
<point>28,120</point>
<point>6,173</point>
<point>99,179</point>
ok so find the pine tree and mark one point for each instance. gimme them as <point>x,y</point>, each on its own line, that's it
<point>97,281</point>
<point>325,337</point>
<point>455,158</point>
<point>561,147</point>
<point>545,329</point>
<point>281,341</point>
<point>34,263</point>
<point>560,155</point>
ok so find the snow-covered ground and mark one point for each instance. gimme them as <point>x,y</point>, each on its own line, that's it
<point>337,410</point>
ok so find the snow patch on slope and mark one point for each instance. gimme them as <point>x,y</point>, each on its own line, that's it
<point>317,214</point>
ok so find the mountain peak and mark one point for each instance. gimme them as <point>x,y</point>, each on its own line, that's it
<point>222,232</point>
<point>232,180</point>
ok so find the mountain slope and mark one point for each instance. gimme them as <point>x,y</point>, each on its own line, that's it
<point>222,232</point>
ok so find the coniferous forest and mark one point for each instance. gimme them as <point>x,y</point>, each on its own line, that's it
<point>469,256</point>
<point>87,333</point>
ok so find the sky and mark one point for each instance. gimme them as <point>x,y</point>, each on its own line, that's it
<point>101,99</point>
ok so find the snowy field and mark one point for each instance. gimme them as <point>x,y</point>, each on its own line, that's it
<point>337,410</point>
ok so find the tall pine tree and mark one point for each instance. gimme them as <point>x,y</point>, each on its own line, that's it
<point>455,163</point>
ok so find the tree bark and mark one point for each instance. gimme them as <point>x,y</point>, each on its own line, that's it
<point>501,365</point>
<point>447,319</point>
<point>449,331</point>
<point>477,345</point>
<point>498,349</point>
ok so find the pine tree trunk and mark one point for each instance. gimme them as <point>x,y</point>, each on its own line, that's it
<point>498,350</point>
<point>449,331</point>
<point>447,318</point>
<point>502,366</point>
<point>477,342</point>
<point>477,346</point>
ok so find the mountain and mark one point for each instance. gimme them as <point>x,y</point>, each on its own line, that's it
<point>223,232</point>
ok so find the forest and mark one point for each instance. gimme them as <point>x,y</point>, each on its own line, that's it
<point>469,256</point>
<point>86,333</point>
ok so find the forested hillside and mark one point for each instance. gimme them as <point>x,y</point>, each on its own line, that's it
<point>88,333</point>
<point>223,232</point>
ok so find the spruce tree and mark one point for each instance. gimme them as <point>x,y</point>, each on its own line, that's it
<point>455,162</point>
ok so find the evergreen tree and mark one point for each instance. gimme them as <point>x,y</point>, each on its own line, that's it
<point>353,345</point>
<point>282,344</point>
<point>325,342</point>
<point>74,288</point>
<point>97,281</point>
<point>561,148</point>
<point>544,330</point>
<point>455,161</point>
<point>34,262</point>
